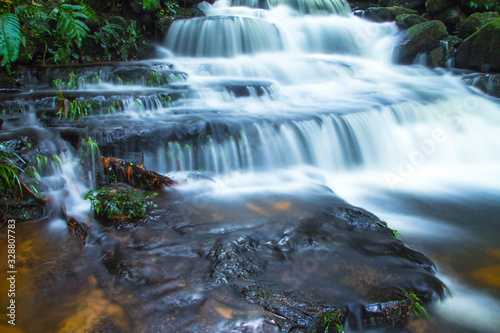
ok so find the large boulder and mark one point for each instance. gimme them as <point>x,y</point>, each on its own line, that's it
<point>434,6</point>
<point>384,14</point>
<point>406,21</point>
<point>480,51</point>
<point>475,22</point>
<point>451,17</point>
<point>420,38</point>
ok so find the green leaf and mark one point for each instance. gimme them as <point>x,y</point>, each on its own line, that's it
<point>10,38</point>
<point>150,4</point>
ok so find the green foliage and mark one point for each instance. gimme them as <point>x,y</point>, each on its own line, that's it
<point>90,148</point>
<point>10,173</point>
<point>113,203</point>
<point>151,4</point>
<point>72,109</point>
<point>417,307</point>
<point>118,38</point>
<point>10,38</point>
<point>330,319</point>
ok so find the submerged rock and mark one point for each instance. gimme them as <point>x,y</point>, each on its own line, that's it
<point>488,83</point>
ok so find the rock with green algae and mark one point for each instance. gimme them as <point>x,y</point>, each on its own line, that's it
<point>434,6</point>
<point>480,51</point>
<point>420,38</point>
<point>119,201</point>
<point>451,17</point>
<point>475,22</point>
<point>406,21</point>
<point>384,14</point>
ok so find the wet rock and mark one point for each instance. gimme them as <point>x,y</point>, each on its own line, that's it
<point>135,175</point>
<point>22,210</point>
<point>412,4</point>
<point>420,38</point>
<point>475,22</point>
<point>322,277</point>
<point>451,17</point>
<point>488,83</point>
<point>384,14</point>
<point>434,6</point>
<point>480,51</point>
<point>405,21</point>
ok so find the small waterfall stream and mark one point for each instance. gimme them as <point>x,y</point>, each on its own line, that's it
<point>267,111</point>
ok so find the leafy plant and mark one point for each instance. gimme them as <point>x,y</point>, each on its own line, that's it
<point>332,318</point>
<point>118,202</point>
<point>71,109</point>
<point>10,38</point>
<point>118,38</point>
<point>417,307</point>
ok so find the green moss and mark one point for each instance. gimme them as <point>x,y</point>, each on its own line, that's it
<point>405,21</point>
<point>434,6</point>
<point>119,200</point>
<point>420,38</point>
<point>480,50</point>
<point>475,22</point>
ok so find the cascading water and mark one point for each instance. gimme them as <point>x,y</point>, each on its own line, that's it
<point>263,108</point>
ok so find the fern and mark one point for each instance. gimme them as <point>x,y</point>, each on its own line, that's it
<point>150,4</point>
<point>69,24</point>
<point>10,38</point>
<point>90,13</point>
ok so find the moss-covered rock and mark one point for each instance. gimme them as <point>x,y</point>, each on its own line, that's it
<point>118,201</point>
<point>413,4</point>
<point>480,51</point>
<point>420,38</point>
<point>385,14</point>
<point>451,17</point>
<point>405,21</point>
<point>434,6</point>
<point>475,22</point>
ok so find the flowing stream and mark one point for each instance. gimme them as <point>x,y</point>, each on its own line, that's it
<point>269,107</point>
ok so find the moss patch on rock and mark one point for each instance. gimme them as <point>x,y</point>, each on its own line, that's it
<point>475,22</point>
<point>420,38</point>
<point>434,6</point>
<point>406,21</point>
<point>119,200</point>
<point>480,51</point>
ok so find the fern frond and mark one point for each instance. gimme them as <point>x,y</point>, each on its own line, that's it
<point>90,13</point>
<point>151,4</point>
<point>68,24</point>
<point>10,38</point>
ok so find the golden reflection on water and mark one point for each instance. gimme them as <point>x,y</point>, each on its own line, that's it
<point>49,297</point>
